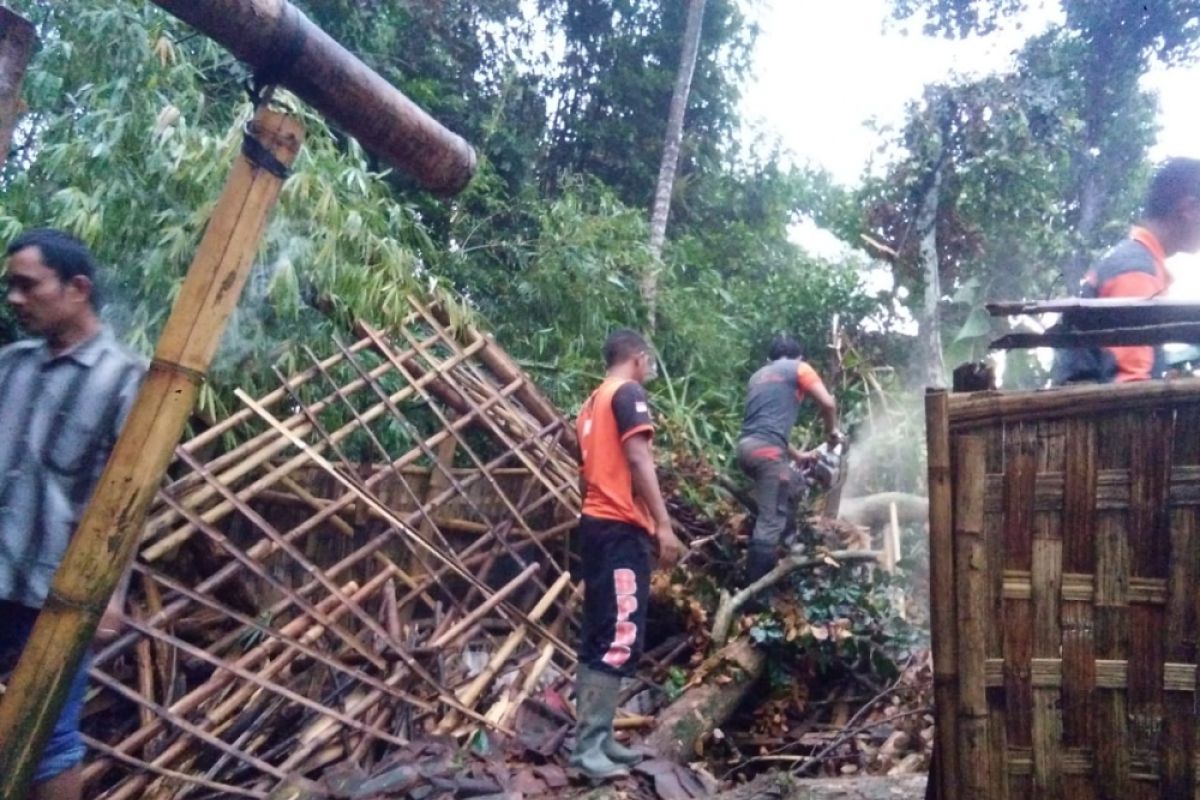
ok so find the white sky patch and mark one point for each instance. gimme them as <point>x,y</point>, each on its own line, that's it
<point>827,74</point>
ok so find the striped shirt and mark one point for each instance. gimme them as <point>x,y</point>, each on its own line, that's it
<point>59,419</point>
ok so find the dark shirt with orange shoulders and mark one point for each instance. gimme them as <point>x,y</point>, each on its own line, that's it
<point>1134,268</point>
<point>616,411</point>
<point>773,399</point>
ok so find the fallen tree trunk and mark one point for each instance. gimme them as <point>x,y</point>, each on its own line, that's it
<point>706,705</point>
<point>874,510</point>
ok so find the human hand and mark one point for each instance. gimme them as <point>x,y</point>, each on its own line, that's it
<point>670,549</point>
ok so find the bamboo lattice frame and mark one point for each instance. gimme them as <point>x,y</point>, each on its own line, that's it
<point>325,564</point>
<point>1065,554</point>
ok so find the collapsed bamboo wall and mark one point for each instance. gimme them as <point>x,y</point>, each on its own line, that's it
<point>372,552</point>
<point>1066,612</point>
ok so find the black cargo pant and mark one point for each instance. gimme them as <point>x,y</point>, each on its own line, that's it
<point>769,466</point>
<point>616,559</point>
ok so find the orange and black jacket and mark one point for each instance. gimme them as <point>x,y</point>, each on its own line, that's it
<point>616,411</point>
<point>1134,268</point>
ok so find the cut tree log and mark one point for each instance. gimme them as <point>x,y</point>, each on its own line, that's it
<point>874,510</point>
<point>706,705</point>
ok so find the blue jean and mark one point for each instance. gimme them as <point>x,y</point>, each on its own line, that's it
<point>65,748</point>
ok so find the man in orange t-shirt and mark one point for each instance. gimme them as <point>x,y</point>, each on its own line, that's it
<point>764,453</point>
<point>1137,268</point>
<point>624,522</point>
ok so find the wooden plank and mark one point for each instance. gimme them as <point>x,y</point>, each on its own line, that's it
<point>1111,609</point>
<point>987,408</point>
<point>971,577</point>
<point>943,594</point>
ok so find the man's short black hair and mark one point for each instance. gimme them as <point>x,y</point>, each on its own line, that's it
<point>61,252</point>
<point>784,346</point>
<point>1177,179</point>
<point>622,345</point>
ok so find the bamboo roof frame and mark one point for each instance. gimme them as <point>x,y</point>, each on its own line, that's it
<point>469,553</point>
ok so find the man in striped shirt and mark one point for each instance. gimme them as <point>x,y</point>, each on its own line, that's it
<point>63,398</point>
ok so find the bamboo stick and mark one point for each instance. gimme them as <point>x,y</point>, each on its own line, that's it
<point>471,694</point>
<point>222,509</point>
<point>145,675</point>
<point>463,444</point>
<point>138,764</point>
<point>971,577</point>
<point>477,613</point>
<point>397,523</point>
<point>996,407</point>
<point>111,525</point>
<point>280,43</point>
<point>316,504</point>
<point>942,606</point>
<point>265,548</point>
<point>17,37</point>
<point>218,680</point>
<point>258,680</point>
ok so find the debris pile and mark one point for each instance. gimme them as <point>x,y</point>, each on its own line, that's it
<point>370,554</point>
<point>356,586</point>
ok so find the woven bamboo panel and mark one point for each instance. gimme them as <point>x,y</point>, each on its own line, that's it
<point>1065,549</point>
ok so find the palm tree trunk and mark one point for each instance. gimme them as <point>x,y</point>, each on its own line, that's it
<point>935,364</point>
<point>16,45</point>
<point>661,209</point>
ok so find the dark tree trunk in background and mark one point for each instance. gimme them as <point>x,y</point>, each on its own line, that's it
<point>16,45</point>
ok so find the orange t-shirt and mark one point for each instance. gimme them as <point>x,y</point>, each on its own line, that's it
<point>1134,268</point>
<point>617,410</point>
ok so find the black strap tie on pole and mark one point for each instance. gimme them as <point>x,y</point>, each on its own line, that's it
<point>261,156</point>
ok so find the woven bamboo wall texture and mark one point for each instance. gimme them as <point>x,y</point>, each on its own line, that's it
<point>1075,552</point>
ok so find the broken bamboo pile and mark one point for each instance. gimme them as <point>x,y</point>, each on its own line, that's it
<point>372,552</point>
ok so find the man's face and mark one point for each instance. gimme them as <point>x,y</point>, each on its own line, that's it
<point>43,303</point>
<point>645,367</point>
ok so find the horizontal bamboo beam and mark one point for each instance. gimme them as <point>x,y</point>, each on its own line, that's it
<point>1108,337</point>
<point>978,408</point>
<point>284,47</point>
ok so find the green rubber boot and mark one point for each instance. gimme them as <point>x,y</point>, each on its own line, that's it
<point>595,706</point>
<point>611,687</point>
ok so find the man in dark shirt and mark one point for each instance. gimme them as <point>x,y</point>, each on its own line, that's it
<point>1136,268</point>
<point>624,521</point>
<point>773,401</point>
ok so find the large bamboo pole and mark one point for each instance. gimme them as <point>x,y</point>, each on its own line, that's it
<point>16,45</point>
<point>283,46</point>
<point>111,525</point>
<point>942,601</point>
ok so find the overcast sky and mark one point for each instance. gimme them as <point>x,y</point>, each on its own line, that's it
<point>826,68</point>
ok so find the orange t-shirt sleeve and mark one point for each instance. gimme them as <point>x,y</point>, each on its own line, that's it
<point>807,377</point>
<point>1132,284</point>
